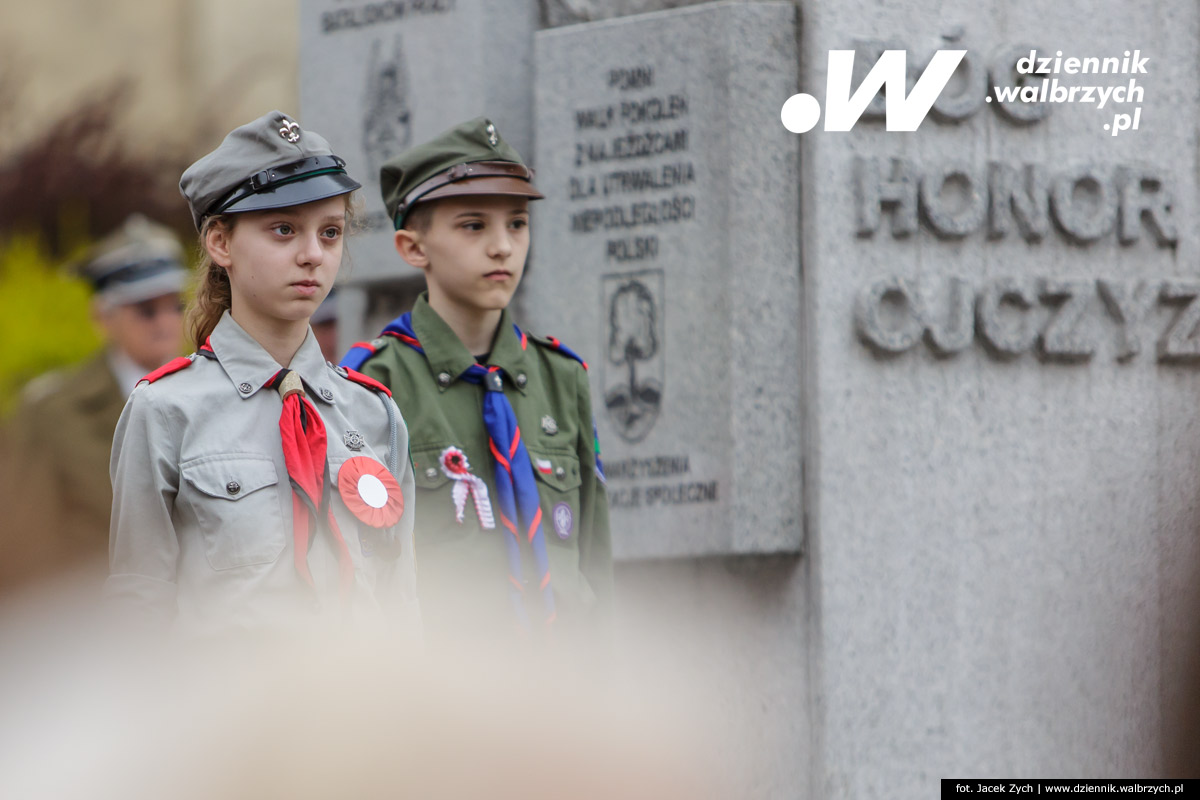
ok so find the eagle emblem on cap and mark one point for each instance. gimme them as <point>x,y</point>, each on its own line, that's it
<point>290,130</point>
<point>493,138</point>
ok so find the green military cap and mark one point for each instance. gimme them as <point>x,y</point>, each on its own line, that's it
<point>470,158</point>
<point>138,261</point>
<point>268,163</point>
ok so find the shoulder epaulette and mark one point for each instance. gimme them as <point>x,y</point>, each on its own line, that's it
<point>362,380</point>
<point>182,362</point>
<point>555,344</point>
<point>174,365</point>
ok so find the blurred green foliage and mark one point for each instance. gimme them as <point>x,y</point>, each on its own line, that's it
<point>62,187</point>
<point>45,316</point>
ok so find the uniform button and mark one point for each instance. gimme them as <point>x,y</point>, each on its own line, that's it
<point>233,487</point>
<point>560,472</point>
<point>431,473</point>
<point>328,395</point>
<point>245,388</point>
<point>444,378</point>
<point>522,380</point>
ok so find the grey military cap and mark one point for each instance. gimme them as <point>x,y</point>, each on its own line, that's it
<point>138,261</point>
<point>269,163</point>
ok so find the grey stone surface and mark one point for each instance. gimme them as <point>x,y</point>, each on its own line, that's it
<point>1002,549</point>
<point>667,254</point>
<point>377,76</point>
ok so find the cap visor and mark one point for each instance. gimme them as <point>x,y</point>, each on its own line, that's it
<point>307,190</point>
<point>488,184</point>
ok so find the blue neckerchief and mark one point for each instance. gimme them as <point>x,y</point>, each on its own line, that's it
<point>516,484</point>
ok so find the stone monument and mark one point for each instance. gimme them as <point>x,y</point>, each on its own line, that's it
<point>668,255</point>
<point>1005,449</point>
<point>907,419</point>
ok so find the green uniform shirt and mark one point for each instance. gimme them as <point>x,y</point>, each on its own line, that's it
<point>462,568</point>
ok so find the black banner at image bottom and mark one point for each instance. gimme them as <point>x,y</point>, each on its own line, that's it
<point>1031,787</point>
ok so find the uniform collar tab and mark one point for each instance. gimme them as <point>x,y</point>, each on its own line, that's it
<point>250,368</point>
<point>447,356</point>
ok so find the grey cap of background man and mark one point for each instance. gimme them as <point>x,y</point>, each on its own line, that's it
<point>139,261</point>
<point>269,163</point>
<point>470,158</point>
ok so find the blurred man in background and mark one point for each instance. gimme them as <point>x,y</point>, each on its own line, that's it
<point>58,496</point>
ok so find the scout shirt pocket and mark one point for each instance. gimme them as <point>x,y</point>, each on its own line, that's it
<point>238,508</point>
<point>435,500</point>
<point>559,481</point>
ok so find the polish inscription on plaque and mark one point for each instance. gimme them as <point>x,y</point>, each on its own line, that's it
<point>632,191</point>
<point>669,221</point>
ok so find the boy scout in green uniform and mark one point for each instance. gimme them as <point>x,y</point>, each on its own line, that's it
<point>512,515</point>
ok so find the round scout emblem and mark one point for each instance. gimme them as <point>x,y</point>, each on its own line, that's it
<point>455,466</point>
<point>564,520</point>
<point>370,492</point>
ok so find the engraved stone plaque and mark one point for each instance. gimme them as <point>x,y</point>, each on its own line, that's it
<point>667,254</point>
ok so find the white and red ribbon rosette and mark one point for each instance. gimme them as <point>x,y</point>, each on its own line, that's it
<point>455,466</point>
<point>370,492</point>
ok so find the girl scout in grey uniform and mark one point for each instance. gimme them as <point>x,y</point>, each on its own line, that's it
<point>255,485</point>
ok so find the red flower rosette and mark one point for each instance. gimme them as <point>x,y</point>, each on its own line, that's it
<point>370,492</point>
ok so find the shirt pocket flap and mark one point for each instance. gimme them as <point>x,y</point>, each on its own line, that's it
<point>558,470</point>
<point>230,477</point>
<point>427,471</point>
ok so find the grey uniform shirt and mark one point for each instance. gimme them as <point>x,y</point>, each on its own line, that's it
<point>201,529</point>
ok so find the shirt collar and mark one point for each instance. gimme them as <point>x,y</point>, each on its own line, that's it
<point>446,353</point>
<point>250,367</point>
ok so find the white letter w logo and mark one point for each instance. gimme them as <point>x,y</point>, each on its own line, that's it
<point>801,111</point>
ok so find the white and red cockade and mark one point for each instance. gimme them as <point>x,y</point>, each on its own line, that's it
<point>455,466</point>
<point>370,492</point>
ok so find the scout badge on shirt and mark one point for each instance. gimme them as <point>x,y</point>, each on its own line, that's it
<point>563,517</point>
<point>455,466</point>
<point>370,492</point>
